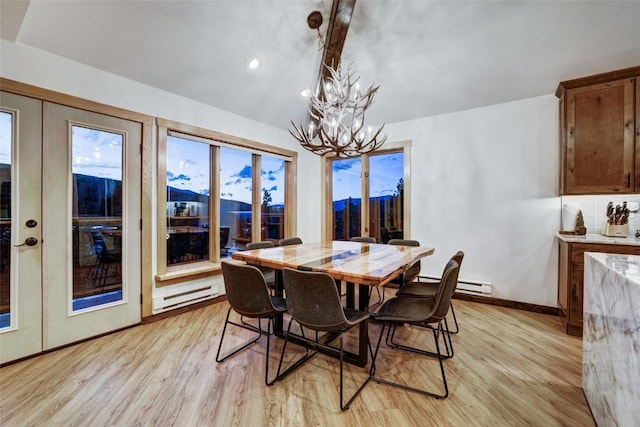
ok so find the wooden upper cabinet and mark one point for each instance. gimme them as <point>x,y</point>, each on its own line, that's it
<point>598,127</point>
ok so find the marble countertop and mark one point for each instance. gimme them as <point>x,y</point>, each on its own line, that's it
<point>599,238</point>
<point>611,338</point>
<point>626,266</point>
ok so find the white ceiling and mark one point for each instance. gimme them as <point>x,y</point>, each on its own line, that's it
<point>429,57</point>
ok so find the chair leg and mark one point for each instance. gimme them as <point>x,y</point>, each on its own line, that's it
<point>455,320</point>
<point>380,296</point>
<point>345,406</point>
<point>379,380</point>
<point>446,336</point>
<point>282,374</point>
<point>315,345</point>
<point>260,332</point>
<point>224,330</point>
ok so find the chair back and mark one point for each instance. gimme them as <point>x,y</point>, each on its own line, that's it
<point>447,287</point>
<point>413,271</point>
<point>247,290</point>
<point>290,241</point>
<point>363,239</point>
<point>260,245</point>
<point>313,300</point>
<point>99,245</point>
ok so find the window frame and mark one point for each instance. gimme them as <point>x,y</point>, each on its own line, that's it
<point>168,274</point>
<point>327,189</point>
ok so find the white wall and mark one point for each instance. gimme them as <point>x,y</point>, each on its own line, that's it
<point>485,181</point>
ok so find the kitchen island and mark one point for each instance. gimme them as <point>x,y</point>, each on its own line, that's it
<point>611,338</point>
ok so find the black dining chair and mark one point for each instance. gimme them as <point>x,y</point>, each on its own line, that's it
<point>290,241</point>
<point>363,239</point>
<point>269,273</point>
<point>409,275</point>
<point>249,296</point>
<point>108,263</point>
<point>314,303</point>
<point>412,272</point>
<point>423,312</point>
<point>427,288</point>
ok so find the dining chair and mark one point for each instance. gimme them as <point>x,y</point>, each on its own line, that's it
<point>314,303</point>
<point>427,288</point>
<point>249,296</point>
<point>108,262</point>
<point>290,241</point>
<point>269,273</point>
<point>363,239</point>
<point>409,275</point>
<point>420,312</point>
<point>412,272</point>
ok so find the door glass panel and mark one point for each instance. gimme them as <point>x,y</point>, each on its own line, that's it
<point>97,161</point>
<point>347,196</point>
<point>386,193</point>
<point>6,138</point>
<point>272,209</point>
<point>188,188</point>
<point>236,175</point>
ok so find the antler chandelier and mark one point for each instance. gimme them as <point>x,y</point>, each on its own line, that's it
<point>337,107</point>
<point>337,113</point>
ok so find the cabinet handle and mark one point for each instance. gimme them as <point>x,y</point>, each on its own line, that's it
<point>629,180</point>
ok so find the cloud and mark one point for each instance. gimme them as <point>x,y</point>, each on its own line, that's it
<point>182,177</point>
<point>272,175</point>
<point>245,173</point>
<point>346,164</point>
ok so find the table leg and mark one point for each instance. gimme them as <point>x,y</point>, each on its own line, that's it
<point>279,320</point>
<point>351,300</point>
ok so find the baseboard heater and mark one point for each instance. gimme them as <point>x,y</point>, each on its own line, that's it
<point>170,302</point>
<point>473,287</point>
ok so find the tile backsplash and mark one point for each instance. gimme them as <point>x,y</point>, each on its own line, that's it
<point>594,208</point>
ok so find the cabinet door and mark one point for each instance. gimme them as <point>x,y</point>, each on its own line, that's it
<point>576,295</point>
<point>600,138</point>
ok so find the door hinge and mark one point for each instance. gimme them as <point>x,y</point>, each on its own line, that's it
<point>140,223</point>
<point>140,299</point>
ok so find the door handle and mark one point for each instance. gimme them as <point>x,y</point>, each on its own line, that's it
<point>29,241</point>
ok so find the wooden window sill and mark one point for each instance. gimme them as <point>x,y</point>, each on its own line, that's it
<point>191,271</point>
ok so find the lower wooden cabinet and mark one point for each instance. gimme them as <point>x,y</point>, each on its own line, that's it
<point>571,279</point>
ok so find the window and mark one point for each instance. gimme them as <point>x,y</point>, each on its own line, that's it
<point>96,223</point>
<point>347,198</point>
<point>272,207</point>
<point>216,203</point>
<point>368,195</point>
<point>188,188</point>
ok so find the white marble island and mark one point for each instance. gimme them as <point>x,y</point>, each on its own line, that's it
<point>611,338</point>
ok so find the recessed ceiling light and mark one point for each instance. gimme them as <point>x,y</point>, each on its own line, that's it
<point>253,63</point>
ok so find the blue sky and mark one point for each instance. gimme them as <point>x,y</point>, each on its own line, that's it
<point>188,168</point>
<point>385,171</point>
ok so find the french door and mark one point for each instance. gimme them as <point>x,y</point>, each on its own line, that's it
<point>74,263</point>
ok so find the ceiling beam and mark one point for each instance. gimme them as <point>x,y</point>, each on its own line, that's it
<point>338,25</point>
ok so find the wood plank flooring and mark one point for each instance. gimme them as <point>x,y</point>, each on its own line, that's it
<point>510,368</point>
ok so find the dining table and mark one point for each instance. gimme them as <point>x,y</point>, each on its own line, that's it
<point>354,263</point>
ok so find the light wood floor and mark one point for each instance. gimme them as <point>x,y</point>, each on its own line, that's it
<point>511,368</point>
